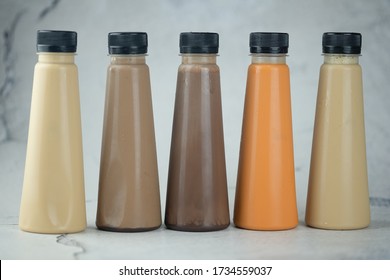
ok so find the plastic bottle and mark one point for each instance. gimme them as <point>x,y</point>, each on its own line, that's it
<point>338,184</point>
<point>129,196</point>
<point>197,197</point>
<point>53,199</point>
<point>265,196</point>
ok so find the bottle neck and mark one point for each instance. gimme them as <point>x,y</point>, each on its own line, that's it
<point>128,59</point>
<point>268,58</point>
<point>198,58</point>
<point>52,57</point>
<point>341,58</point>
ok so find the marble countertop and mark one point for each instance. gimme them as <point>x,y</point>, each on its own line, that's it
<point>19,21</point>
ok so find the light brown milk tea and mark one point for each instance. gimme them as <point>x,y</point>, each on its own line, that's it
<point>129,197</point>
<point>338,195</point>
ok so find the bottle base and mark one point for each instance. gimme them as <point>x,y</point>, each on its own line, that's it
<point>266,228</point>
<point>191,228</point>
<point>115,229</point>
<point>325,226</point>
<point>51,231</point>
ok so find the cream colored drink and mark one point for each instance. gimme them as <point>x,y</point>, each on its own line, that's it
<point>53,199</point>
<point>338,195</point>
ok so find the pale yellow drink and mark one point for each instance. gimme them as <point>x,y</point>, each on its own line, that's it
<point>53,199</point>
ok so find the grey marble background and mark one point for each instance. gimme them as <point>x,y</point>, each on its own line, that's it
<point>305,21</point>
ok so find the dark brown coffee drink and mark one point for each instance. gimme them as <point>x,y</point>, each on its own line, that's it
<point>197,197</point>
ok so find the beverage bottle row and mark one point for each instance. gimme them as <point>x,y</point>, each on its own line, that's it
<point>53,198</point>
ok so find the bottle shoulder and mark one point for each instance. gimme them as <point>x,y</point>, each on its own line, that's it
<point>55,67</point>
<point>128,68</point>
<point>128,65</point>
<point>267,66</point>
<point>193,68</point>
<point>339,68</point>
<point>256,68</point>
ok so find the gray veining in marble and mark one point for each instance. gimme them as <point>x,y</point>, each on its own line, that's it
<point>65,240</point>
<point>52,5</point>
<point>305,21</point>
<point>8,63</point>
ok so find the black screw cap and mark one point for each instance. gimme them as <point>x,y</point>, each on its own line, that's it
<point>341,43</point>
<point>199,42</point>
<point>56,41</point>
<point>127,43</point>
<point>268,42</point>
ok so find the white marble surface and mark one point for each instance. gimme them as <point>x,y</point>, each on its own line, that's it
<point>164,20</point>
